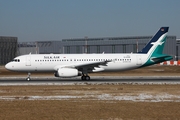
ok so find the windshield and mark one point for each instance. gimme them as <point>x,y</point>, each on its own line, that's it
<point>16,60</point>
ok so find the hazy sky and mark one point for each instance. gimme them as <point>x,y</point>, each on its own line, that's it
<point>38,20</point>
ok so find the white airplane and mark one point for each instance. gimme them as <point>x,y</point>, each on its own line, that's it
<point>72,65</point>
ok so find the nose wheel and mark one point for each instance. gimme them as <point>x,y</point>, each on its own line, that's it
<point>28,78</point>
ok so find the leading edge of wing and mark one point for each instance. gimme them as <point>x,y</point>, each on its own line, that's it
<point>81,66</point>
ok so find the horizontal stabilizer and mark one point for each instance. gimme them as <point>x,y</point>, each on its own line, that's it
<point>161,58</point>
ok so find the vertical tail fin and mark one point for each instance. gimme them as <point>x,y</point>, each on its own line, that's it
<point>155,47</point>
<point>156,44</point>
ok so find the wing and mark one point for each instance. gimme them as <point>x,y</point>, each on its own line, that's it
<point>87,66</point>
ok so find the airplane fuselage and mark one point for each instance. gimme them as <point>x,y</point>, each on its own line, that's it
<point>51,62</point>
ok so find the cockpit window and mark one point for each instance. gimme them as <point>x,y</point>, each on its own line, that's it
<point>16,60</point>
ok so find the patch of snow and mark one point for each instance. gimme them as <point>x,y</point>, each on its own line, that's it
<point>108,97</point>
<point>38,97</point>
<point>141,98</point>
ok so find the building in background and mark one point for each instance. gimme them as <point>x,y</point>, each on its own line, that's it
<point>8,49</point>
<point>46,47</point>
<point>95,45</point>
<point>177,56</point>
<point>26,48</point>
<point>114,45</point>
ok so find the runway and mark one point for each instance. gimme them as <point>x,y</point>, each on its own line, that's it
<point>94,80</point>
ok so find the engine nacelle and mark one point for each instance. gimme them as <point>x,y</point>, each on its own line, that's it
<point>66,72</point>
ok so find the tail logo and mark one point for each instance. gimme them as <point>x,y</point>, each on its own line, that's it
<point>157,43</point>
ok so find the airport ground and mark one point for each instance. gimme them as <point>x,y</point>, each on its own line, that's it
<point>117,101</point>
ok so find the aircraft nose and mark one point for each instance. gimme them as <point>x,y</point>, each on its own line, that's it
<point>8,66</point>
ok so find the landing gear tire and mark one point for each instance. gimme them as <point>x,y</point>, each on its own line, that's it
<point>28,78</point>
<point>85,77</point>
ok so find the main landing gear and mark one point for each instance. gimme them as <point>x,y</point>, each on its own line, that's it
<point>85,77</point>
<point>28,78</point>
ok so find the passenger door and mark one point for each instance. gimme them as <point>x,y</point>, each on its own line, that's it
<point>139,60</point>
<point>28,60</point>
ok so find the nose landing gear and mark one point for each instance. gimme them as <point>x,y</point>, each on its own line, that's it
<point>28,78</point>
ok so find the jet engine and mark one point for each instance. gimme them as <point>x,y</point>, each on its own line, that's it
<point>67,72</point>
